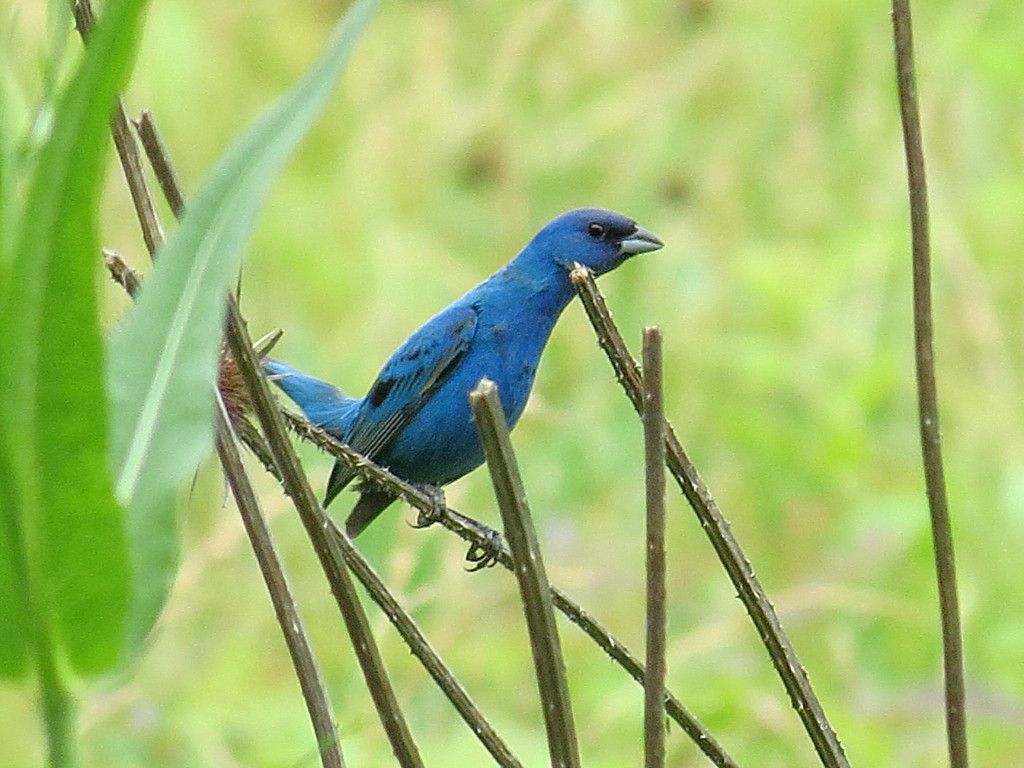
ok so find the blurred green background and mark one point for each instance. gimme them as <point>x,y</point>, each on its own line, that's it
<point>762,143</point>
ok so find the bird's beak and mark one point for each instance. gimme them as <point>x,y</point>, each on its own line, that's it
<point>641,241</point>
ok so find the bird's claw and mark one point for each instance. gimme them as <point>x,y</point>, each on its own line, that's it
<point>484,554</point>
<point>438,504</point>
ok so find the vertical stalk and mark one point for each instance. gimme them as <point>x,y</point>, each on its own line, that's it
<point>654,460</point>
<point>927,396</point>
<point>314,520</point>
<point>529,569</point>
<point>730,554</point>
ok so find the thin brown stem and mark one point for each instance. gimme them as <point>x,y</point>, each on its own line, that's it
<point>534,590</point>
<point>474,533</point>
<point>314,692</point>
<point>127,151</point>
<point>927,397</point>
<point>360,566</point>
<point>293,478</point>
<point>654,463</point>
<point>158,156</point>
<point>735,562</point>
<point>315,520</point>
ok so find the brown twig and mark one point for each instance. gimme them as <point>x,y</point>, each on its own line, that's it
<point>927,397</point>
<point>315,521</point>
<point>476,535</point>
<point>654,462</point>
<point>128,152</point>
<point>158,156</point>
<point>313,517</point>
<point>736,565</point>
<point>534,590</point>
<point>314,692</point>
<point>310,682</point>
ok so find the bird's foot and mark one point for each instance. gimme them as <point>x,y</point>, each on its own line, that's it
<point>438,505</point>
<point>485,553</point>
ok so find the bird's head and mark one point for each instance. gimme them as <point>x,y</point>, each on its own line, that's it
<point>596,238</point>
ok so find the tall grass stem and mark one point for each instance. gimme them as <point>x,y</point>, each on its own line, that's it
<point>534,590</point>
<point>735,562</point>
<point>927,396</point>
<point>654,466</point>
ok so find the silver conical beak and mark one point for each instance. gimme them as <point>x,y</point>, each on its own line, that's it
<point>641,241</point>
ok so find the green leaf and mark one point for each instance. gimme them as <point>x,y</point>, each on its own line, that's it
<point>55,418</point>
<point>163,359</point>
<point>14,626</point>
<point>12,121</point>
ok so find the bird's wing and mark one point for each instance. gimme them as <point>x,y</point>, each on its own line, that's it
<point>408,379</point>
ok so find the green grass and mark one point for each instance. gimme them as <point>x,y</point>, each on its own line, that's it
<point>762,144</point>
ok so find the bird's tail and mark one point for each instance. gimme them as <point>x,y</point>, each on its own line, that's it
<point>323,404</point>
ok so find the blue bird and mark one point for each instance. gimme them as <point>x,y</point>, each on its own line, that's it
<point>416,418</point>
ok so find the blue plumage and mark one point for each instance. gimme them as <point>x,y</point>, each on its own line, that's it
<point>416,419</point>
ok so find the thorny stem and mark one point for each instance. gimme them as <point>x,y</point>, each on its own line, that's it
<point>473,533</point>
<point>315,521</point>
<point>736,565</point>
<point>313,689</point>
<point>310,681</point>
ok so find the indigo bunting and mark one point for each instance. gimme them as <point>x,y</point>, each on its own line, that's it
<point>416,418</point>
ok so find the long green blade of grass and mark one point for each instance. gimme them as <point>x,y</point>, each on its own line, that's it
<point>163,359</point>
<point>55,416</point>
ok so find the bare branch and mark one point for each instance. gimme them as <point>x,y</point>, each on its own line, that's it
<point>534,590</point>
<point>306,670</point>
<point>654,459</point>
<point>315,520</point>
<point>927,397</point>
<point>736,565</point>
<point>128,152</point>
<point>158,156</point>
<point>476,535</point>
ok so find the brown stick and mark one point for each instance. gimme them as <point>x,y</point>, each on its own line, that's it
<point>306,669</point>
<point>654,461</point>
<point>127,151</point>
<point>735,562</point>
<point>927,397</point>
<point>534,589</point>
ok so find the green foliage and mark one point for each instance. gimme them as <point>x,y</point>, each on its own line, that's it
<point>163,358</point>
<point>763,147</point>
<point>74,570</point>
<point>59,496</point>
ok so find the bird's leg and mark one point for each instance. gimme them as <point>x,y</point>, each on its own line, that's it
<point>482,553</point>
<point>486,553</point>
<point>488,547</point>
<point>438,504</point>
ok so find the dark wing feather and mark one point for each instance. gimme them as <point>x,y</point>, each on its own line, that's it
<point>408,379</point>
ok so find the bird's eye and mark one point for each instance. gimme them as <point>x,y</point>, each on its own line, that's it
<point>595,230</point>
